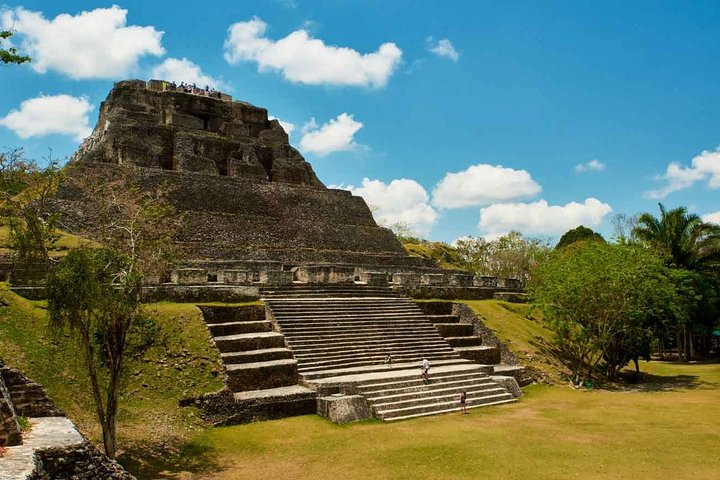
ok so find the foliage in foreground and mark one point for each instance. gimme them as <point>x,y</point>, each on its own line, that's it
<point>603,302</point>
<point>10,54</point>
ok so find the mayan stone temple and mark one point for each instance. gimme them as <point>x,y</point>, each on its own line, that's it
<point>337,333</point>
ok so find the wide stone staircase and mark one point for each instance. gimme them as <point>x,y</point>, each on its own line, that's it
<point>369,340</point>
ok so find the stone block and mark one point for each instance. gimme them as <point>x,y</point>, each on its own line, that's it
<point>189,276</point>
<point>485,281</point>
<point>279,277</point>
<point>460,279</point>
<point>326,274</point>
<point>340,408</point>
<point>378,279</point>
<point>433,279</point>
<point>237,277</point>
<point>406,279</point>
<point>509,383</point>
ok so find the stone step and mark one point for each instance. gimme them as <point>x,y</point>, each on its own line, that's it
<point>455,329</point>
<point>450,409</point>
<point>233,328</point>
<point>312,316</point>
<point>325,347</point>
<point>342,303</point>
<point>432,396</point>
<point>465,382</point>
<point>310,294</point>
<point>276,394</point>
<point>249,341</point>
<point>252,356</point>
<point>463,341</point>
<point>304,366</point>
<point>443,318</point>
<point>481,354</point>
<point>367,332</point>
<point>444,406</point>
<point>360,322</point>
<point>261,375</point>
<point>440,379</point>
<point>344,372</point>
<point>376,352</point>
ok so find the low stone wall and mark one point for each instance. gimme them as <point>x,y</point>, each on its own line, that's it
<point>222,408</point>
<point>9,428</point>
<point>77,462</point>
<point>445,293</point>
<point>486,333</point>
<point>202,293</point>
<point>222,313</point>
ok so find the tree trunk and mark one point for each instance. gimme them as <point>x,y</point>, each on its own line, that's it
<point>678,336</point>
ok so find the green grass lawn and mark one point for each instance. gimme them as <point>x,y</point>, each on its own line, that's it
<point>668,429</point>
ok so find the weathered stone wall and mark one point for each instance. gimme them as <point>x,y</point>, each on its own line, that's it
<point>192,133</point>
<point>28,397</point>
<point>76,462</point>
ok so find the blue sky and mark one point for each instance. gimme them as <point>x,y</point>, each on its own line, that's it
<point>469,118</point>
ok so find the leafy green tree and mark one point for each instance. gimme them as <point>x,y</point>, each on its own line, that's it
<point>692,247</point>
<point>683,237</point>
<point>10,54</point>
<point>579,234</point>
<point>600,302</point>
<point>509,256</point>
<point>26,189</point>
<point>94,295</point>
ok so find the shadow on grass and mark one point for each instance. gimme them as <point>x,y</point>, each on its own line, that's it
<point>648,382</point>
<point>150,461</point>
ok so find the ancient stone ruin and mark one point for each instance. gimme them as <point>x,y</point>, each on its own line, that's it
<point>254,212</point>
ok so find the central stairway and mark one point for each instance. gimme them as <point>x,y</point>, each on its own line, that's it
<point>369,340</point>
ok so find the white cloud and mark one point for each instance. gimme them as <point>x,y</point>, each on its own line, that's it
<point>483,184</point>
<point>711,217</point>
<point>591,166</point>
<point>334,136</point>
<point>443,48</point>
<point>704,167</point>
<point>400,201</point>
<point>287,126</point>
<point>94,44</point>
<point>183,70</point>
<point>539,217</point>
<point>45,115</point>
<point>303,59</point>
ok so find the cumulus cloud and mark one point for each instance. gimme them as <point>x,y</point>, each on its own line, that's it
<point>443,48</point>
<point>45,115</point>
<point>183,70</point>
<point>93,44</point>
<point>704,167</point>
<point>303,59</point>
<point>483,184</point>
<point>539,217</point>
<point>287,126</point>
<point>334,136</point>
<point>591,166</point>
<point>711,217</point>
<point>400,201</point>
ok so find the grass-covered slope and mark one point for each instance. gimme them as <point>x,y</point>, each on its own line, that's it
<point>66,242</point>
<point>181,362</point>
<point>442,252</point>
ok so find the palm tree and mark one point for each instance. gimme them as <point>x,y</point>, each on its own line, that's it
<point>689,244</point>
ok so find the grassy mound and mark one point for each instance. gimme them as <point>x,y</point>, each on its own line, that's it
<point>442,252</point>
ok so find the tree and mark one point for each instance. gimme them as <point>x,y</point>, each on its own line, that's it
<point>510,256</point>
<point>683,237</point>
<point>692,247</point>
<point>579,234</point>
<point>600,301</point>
<point>26,189</point>
<point>624,228</point>
<point>93,295</point>
<point>10,55</point>
<point>96,295</point>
